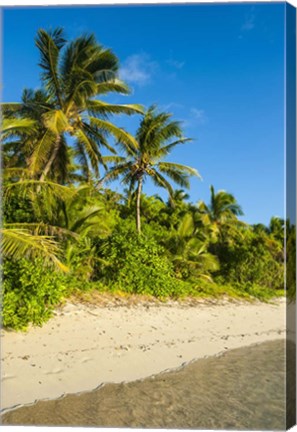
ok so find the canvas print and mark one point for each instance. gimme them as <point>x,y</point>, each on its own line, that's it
<point>148,216</point>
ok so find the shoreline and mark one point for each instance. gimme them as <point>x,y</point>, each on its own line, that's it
<point>83,347</point>
<point>251,375</point>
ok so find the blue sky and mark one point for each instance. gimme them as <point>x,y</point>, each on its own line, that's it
<point>217,68</point>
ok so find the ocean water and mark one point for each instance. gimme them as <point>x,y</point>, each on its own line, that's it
<point>241,389</point>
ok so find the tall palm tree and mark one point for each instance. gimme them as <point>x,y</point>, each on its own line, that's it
<point>156,136</point>
<point>73,75</point>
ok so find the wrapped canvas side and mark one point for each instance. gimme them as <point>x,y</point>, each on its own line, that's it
<point>290,272</point>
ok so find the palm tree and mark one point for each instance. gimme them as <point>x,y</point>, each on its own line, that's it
<point>277,228</point>
<point>190,256</point>
<point>179,196</point>
<point>73,75</point>
<point>156,136</point>
<point>221,212</point>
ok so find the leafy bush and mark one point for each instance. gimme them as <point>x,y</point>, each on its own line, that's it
<point>17,209</point>
<point>30,292</point>
<point>256,260</point>
<point>137,264</point>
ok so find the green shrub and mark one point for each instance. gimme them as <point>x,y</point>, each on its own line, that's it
<point>255,261</point>
<point>137,264</point>
<point>30,292</point>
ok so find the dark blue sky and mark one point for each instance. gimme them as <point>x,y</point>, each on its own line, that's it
<point>218,68</point>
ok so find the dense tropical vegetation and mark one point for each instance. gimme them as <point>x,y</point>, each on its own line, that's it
<point>65,231</point>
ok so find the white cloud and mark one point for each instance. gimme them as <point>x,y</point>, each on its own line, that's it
<point>195,117</point>
<point>171,105</point>
<point>249,22</point>
<point>175,63</point>
<point>198,115</point>
<point>138,69</point>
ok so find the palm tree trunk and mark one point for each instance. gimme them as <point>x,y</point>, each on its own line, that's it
<point>51,159</point>
<point>138,222</point>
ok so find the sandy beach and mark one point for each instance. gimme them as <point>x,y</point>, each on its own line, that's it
<point>84,346</point>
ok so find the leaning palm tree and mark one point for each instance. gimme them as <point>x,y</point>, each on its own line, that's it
<point>156,136</point>
<point>73,75</point>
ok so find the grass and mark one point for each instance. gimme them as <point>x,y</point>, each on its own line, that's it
<point>100,295</point>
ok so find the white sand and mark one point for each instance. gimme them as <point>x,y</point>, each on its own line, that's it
<point>85,346</point>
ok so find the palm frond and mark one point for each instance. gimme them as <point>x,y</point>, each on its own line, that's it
<point>10,108</point>
<point>56,121</point>
<point>186,226</point>
<point>101,108</point>
<point>30,188</point>
<point>98,135</point>
<point>165,150</point>
<point>170,166</point>
<point>86,215</point>
<point>15,126</point>
<point>90,149</point>
<point>19,243</point>
<point>13,172</point>
<point>42,151</point>
<point>115,172</point>
<point>161,181</point>
<point>113,86</point>
<point>49,45</point>
<point>113,159</point>
<point>120,134</point>
<point>41,228</point>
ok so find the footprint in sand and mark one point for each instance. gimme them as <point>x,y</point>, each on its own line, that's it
<point>54,371</point>
<point>6,377</point>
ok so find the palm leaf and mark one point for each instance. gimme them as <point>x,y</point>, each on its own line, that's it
<point>170,166</point>
<point>120,134</point>
<point>14,126</point>
<point>9,173</point>
<point>161,181</point>
<point>87,214</point>
<point>56,121</point>
<point>49,45</point>
<point>42,151</point>
<point>8,108</point>
<point>116,171</point>
<point>19,243</point>
<point>41,228</point>
<point>186,226</point>
<point>113,159</point>
<point>115,85</point>
<point>90,149</point>
<point>29,188</point>
<point>100,107</point>
<point>165,150</point>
